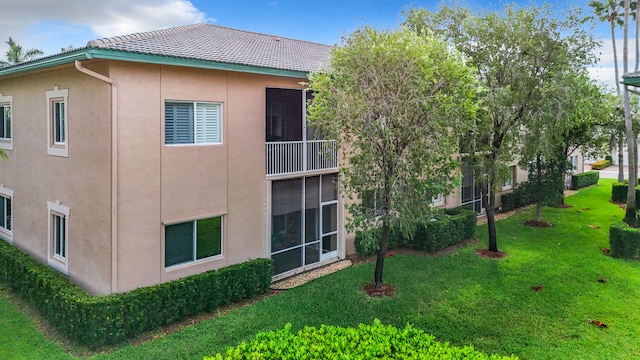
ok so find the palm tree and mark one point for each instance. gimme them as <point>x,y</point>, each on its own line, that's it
<point>15,54</point>
<point>609,11</point>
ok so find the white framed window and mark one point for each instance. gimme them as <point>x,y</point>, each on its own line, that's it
<point>6,138</point>
<point>437,200</point>
<point>57,122</point>
<point>6,212</point>
<point>574,163</point>
<point>191,241</point>
<point>507,184</point>
<point>192,123</point>
<point>58,238</point>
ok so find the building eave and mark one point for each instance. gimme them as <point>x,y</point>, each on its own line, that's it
<point>117,55</point>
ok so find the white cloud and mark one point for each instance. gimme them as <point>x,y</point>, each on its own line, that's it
<point>100,18</point>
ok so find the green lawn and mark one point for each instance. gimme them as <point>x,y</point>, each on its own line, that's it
<point>460,298</point>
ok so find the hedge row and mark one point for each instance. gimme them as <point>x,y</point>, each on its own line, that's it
<point>375,341</point>
<point>619,192</point>
<point>443,229</point>
<point>517,198</point>
<point>599,165</point>
<point>99,320</point>
<point>624,240</point>
<point>578,181</point>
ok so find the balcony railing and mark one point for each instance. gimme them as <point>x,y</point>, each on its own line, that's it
<point>290,157</point>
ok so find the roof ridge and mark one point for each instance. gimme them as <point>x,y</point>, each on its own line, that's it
<point>269,35</point>
<point>142,35</point>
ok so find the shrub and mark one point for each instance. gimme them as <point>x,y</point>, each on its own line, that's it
<point>619,192</point>
<point>599,165</point>
<point>624,240</point>
<point>375,341</point>
<point>609,157</point>
<point>517,198</point>
<point>443,229</point>
<point>99,320</point>
<point>585,179</point>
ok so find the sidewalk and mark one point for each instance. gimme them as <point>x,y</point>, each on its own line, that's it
<point>611,172</point>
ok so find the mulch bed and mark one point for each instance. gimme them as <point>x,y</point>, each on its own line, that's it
<point>485,253</point>
<point>535,223</point>
<point>384,290</point>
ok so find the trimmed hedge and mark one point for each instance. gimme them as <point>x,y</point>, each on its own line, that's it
<point>375,341</point>
<point>599,165</point>
<point>443,229</point>
<point>579,181</point>
<point>517,198</point>
<point>619,192</point>
<point>100,320</point>
<point>624,241</point>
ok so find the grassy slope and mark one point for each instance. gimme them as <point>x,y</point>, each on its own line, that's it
<point>464,299</point>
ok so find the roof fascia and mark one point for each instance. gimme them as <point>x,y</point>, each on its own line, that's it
<point>631,81</point>
<point>108,54</point>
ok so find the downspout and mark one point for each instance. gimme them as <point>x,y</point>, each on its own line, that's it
<point>114,170</point>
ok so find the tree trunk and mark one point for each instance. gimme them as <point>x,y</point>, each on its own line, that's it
<point>384,245</point>
<point>630,213</point>
<point>620,158</point>
<point>615,56</point>
<point>539,187</point>
<point>491,222</point>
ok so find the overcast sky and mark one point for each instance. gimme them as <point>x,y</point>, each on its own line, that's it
<point>56,24</point>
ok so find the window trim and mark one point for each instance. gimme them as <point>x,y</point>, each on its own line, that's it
<point>55,96</point>
<point>194,260</point>
<point>437,200</point>
<point>7,194</point>
<point>60,263</point>
<point>7,143</point>
<point>512,178</point>
<point>194,105</point>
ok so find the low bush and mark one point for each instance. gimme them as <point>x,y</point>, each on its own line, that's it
<point>599,165</point>
<point>578,181</point>
<point>442,229</point>
<point>609,157</point>
<point>517,198</point>
<point>375,341</point>
<point>100,320</point>
<point>619,192</point>
<point>624,241</point>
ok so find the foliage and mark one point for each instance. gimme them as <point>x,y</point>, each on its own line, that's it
<point>601,164</point>
<point>520,54</point>
<point>397,103</point>
<point>436,232</point>
<point>546,181</point>
<point>517,198</point>
<point>457,297</point>
<point>578,181</point>
<point>619,192</point>
<point>16,55</point>
<point>624,240</point>
<point>99,320</point>
<point>375,341</point>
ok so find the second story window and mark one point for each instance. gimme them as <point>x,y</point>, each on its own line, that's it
<point>58,122</point>
<point>6,142</point>
<point>192,123</point>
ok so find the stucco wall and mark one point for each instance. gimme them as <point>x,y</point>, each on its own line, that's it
<point>160,184</point>
<point>80,181</point>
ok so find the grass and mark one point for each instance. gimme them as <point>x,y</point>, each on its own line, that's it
<point>460,298</point>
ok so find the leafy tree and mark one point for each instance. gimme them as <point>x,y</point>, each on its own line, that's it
<point>16,55</point>
<point>518,52</point>
<point>396,102</point>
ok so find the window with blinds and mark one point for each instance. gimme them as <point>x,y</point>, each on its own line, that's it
<point>192,123</point>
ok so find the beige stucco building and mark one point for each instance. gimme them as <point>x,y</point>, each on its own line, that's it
<point>144,158</point>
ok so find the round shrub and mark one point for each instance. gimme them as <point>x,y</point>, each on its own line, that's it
<point>375,341</point>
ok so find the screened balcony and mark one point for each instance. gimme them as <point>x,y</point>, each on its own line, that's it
<point>291,146</point>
